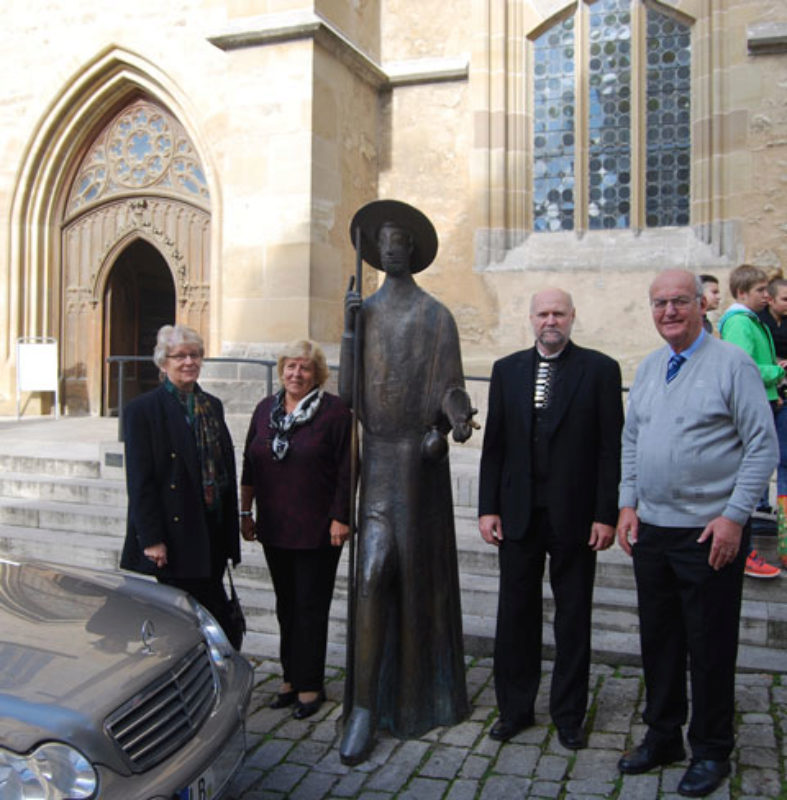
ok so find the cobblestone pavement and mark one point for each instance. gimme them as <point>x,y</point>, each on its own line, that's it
<point>300,760</point>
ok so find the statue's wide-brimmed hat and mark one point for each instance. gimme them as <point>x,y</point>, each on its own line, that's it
<point>374,215</point>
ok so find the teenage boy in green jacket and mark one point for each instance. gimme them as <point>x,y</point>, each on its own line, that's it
<point>741,326</point>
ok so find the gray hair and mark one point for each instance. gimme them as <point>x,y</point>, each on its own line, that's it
<point>170,336</point>
<point>699,289</point>
<point>566,296</point>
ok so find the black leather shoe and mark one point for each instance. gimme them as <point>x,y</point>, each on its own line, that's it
<point>571,736</point>
<point>702,777</point>
<point>504,729</point>
<point>303,710</point>
<point>649,756</point>
<point>284,699</point>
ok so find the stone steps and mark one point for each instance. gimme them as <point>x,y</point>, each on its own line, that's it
<point>100,520</point>
<point>38,465</point>
<point>61,510</point>
<point>54,488</point>
<point>60,546</point>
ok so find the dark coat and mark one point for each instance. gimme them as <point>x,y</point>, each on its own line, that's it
<point>165,497</point>
<point>584,444</point>
<point>298,497</point>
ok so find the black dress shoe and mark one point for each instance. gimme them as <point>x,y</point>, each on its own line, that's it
<point>702,777</point>
<point>303,710</point>
<point>648,756</point>
<point>284,699</point>
<point>571,736</point>
<point>504,729</point>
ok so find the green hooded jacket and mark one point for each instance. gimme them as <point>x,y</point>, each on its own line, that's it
<point>741,326</point>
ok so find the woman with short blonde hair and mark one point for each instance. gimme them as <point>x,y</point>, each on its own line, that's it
<point>296,469</point>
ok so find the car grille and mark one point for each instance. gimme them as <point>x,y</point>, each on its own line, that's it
<point>165,715</point>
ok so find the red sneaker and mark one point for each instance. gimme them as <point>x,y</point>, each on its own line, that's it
<point>758,567</point>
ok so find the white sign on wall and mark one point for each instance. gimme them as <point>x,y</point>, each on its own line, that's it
<point>37,369</point>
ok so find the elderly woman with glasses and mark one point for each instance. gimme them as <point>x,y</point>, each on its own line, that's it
<point>296,469</point>
<point>182,523</point>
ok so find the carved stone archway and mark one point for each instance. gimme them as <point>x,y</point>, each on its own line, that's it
<point>139,179</point>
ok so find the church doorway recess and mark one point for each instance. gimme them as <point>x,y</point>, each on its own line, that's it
<point>139,297</point>
<point>135,252</point>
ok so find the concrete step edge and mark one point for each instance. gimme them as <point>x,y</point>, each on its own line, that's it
<point>46,465</point>
<point>55,506</point>
<point>63,480</point>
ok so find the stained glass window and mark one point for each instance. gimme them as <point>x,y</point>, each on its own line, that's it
<point>142,149</point>
<point>592,187</point>
<point>668,121</point>
<point>609,147</point>
<point>553,139</point>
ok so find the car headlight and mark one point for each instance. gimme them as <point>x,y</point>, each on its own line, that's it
<point>218,643</point>
<point>53,770</point>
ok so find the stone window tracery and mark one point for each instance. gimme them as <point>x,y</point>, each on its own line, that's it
<point>142,150</point>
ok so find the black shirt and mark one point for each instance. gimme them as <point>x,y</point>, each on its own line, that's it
<point>778,331</point>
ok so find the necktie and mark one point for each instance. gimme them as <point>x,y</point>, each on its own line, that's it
<point>674,365</point>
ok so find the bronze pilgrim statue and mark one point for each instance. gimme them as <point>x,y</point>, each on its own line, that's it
<point>407,671</point>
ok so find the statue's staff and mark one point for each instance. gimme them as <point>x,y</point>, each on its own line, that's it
<point>354,450</point>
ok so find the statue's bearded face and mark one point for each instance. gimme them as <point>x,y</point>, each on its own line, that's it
<point>396,249</point>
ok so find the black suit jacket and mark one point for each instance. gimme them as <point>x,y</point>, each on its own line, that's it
<point>165,497</point>
<point>584,443</point>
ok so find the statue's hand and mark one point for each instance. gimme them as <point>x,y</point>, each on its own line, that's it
<point>352,302</point>
<point>462,431</point>
<point>459,411</point>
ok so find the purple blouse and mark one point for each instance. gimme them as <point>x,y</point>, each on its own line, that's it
<point>298,496</point>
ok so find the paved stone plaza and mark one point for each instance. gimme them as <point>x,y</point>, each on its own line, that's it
<point>300,759</point>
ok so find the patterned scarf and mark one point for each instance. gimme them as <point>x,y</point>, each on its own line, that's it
<point>283,423</point>
<point>206,425</point>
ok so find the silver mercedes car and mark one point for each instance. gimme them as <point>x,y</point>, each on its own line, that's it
<point>114,687</point>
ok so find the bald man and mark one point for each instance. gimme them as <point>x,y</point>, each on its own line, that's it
<point>550,468</point>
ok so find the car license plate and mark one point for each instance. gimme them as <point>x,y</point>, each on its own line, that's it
<point>214,779</point>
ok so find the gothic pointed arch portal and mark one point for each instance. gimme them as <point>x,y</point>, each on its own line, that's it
<point>139,297</point>
<point>135,248</point>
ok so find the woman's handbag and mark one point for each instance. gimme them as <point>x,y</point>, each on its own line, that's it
<point>236,621</point>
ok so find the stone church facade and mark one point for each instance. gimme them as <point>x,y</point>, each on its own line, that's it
<point>200,161</point>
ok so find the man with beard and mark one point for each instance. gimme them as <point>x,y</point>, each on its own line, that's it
<point>548,485</point>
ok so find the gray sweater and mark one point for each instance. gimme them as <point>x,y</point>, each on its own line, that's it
<point>702,446</point>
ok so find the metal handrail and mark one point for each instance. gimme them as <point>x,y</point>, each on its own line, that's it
<point>121,361</point>
<point>269,365</point>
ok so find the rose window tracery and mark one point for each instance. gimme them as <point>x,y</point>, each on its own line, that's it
<point>142,150</point>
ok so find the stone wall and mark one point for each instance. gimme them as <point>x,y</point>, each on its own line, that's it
<point>302,112</point>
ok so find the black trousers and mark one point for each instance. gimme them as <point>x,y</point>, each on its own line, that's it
<point>210,592</point>
<point>688,614</point>
<point>517,662</point>
<point>303,581</point>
